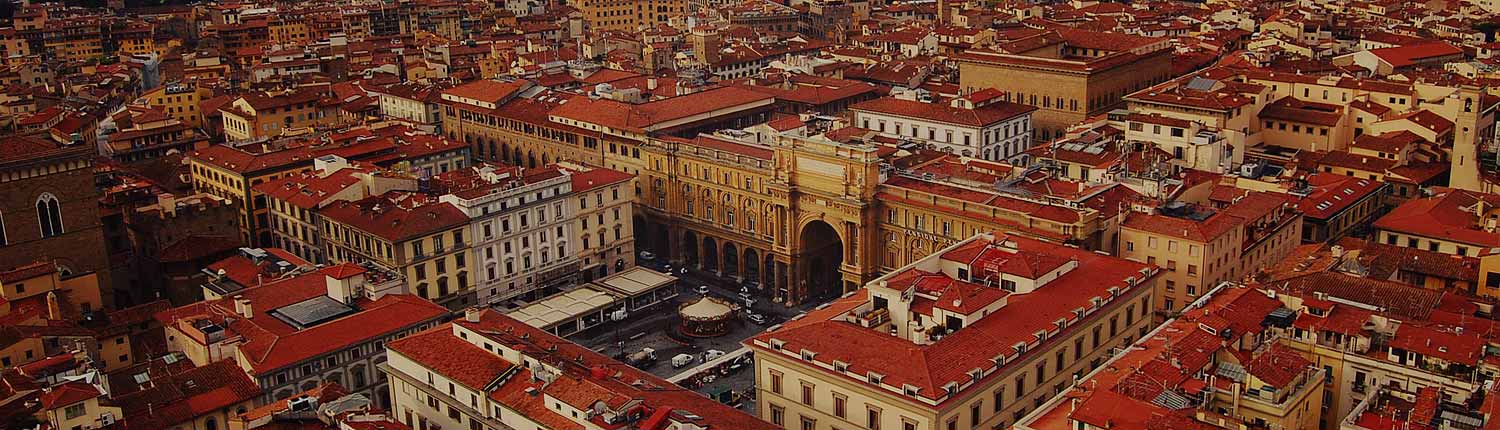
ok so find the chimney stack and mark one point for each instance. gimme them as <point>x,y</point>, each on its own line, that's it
<point>168,204</point>
<point>242,306</point>
<point>472,314</point>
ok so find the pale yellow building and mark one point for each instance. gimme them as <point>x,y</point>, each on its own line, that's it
<point>422,240</point>
<point>1201,247</point>
<point>265,115</point>
<point>232,173</point>
<point>975,336</point>
<point>180,101</point>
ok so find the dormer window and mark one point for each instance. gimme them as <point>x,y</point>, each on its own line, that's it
<point>777,344</point>
<point>874,378</point>
<point>808,355</point>
<point>910,390</point>
<point>1020,347</point>
<point>841,367</point>
<point>1114,292</point>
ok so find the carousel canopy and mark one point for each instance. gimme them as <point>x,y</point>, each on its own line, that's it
<point>706,308</point>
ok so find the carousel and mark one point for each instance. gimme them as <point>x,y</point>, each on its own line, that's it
<point>705,317</point>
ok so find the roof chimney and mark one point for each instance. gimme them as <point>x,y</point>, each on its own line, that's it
<point>472,314</point>
<point>168,204</point>
<point>242,306</point>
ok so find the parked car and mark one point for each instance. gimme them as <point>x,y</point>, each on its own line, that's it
<point>712,354</point>
<point>642,358</point>
<point>681,360</point>
<point>756,318</point>
<point>702,290</point>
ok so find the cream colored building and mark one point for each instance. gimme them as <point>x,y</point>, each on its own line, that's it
<point>968,338</point>
<point>1216,367</point>
<point>1199,248</point>
<point>605,214</point>
<point>262,115</point>
<point>520,221</point>
<point>422,240</point>
<point>180,101</point>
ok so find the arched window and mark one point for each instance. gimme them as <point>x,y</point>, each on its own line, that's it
<point>211,424</point>
<point>49,215</point>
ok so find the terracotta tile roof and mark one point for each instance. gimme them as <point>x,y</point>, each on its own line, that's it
<point>1123,393</point>
<point>1291,109</point>
<point>1419,173</point>
<point>1426,119</point>
<point>27,271</point>
<point>1391,142</point>
<point>733,147</point>
<point>1386,261</point>
<point>1402,56</point>
<point>1447,215</point>
<point>68,394</point>
<point>1331,194</point>
<point>1373,108</point>
<point>1439,342</point>
<point>193,247</point>
<point>271,343</point>
<point>652,115</point>
<point>177,398</point>
<point>457,359</point>
<point>310,190</point>
<point>1361,162</point>
<point>1199,231</point>
<point>487,90</point>
<point>396,216</point>
<point>930,367</point>
<point>1395,298</point>
<point>1279,366</point>
<point>586,376</point>
<point>597,177</point>
<point>264,101</point>
<point>16,148</point>
<point>243,162</point>
<point>812,90</point>
<point>944,112</point>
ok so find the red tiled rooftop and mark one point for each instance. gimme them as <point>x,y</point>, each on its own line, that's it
<point>68,394</point>
<point>1446,215</point>
<point>931,366</point>
<point>394,218</point>
<point>942,111</point>
<point>652,115</point>
<point>271,343</point>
